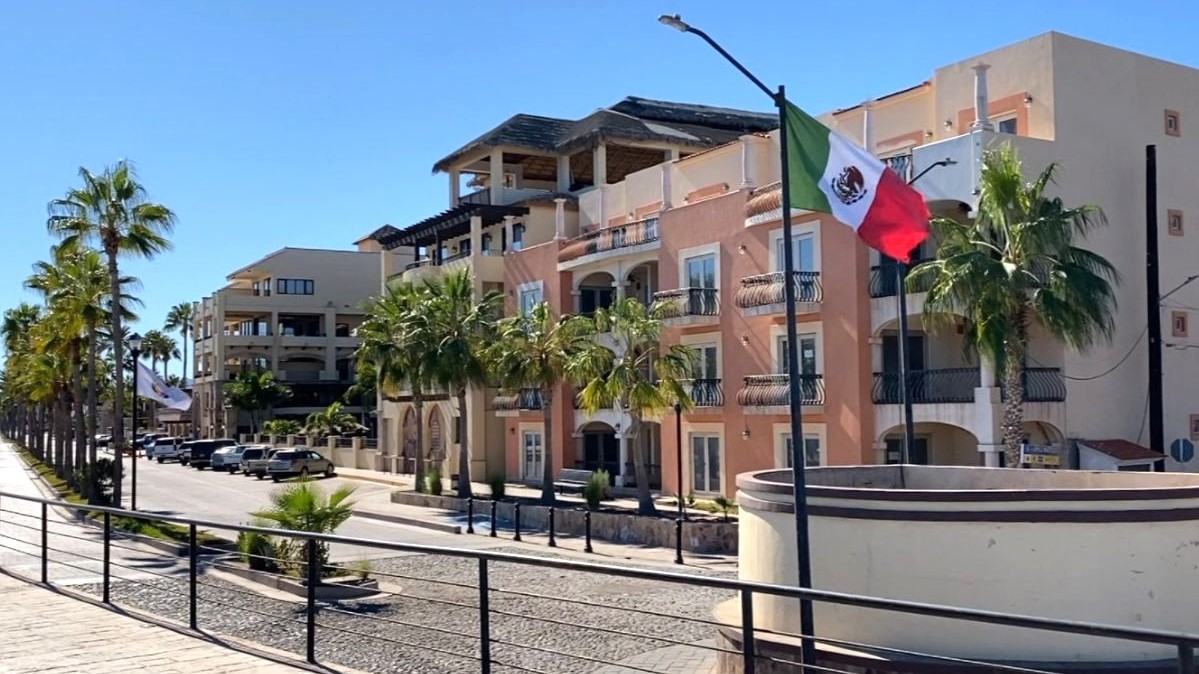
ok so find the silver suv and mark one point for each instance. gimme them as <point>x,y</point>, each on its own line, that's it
<point>300,462</point>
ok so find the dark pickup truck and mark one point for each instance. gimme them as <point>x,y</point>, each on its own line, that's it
<point>200,454</point>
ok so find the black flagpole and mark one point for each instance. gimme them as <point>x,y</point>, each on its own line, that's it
<point>905,397</point>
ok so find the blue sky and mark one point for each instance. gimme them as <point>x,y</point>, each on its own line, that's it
<point>267,123</point>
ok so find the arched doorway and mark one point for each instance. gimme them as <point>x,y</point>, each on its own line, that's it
<point>437,441</point>
<point>648,440</point>
<point>936,444</point>
<point>408,429</point>
<point>595,291</point>
<point>599,449</point>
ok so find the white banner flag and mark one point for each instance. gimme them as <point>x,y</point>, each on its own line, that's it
<point>150,385</point>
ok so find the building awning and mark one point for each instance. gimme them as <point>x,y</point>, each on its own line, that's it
<point>1123,450</point>
<point>445,225</point>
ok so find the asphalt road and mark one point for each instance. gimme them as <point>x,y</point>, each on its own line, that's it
<point>172,489</point>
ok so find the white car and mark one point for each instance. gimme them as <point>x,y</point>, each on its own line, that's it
<point>164,449</point>
<point>229,458</point>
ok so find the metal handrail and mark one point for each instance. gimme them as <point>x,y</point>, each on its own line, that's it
<point>705,392</point>
<point>884,282</point>
<point>1144,635</point>
<point>765,289</point>
<point>774,390</point>
<point>1041,385</point>
<point>945,385</point>
<point>689,302</point>
<point>610,238</point>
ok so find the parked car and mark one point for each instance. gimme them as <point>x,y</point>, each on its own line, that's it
<point>102,439</point>
<point>300,462</point>
<point>200,454</point>
<point>256,459</point>
<point>185,452</point>
<point>165,449</point>
<point>228,458</point>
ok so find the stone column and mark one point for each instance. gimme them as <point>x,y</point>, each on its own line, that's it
<point>497,177</point>
<point>563,173</point>
<point>747,162</point>
<point>624,459</point>
<point>559,219</point>
<point>599,162</point>
<point>508,232</point>
<point>455,186</point>
<point>981,103</point>
<point>876,354</point>
<point>667,169</point>
<point>476,234</point>
<point>868,126</point>
<point>331,343</point>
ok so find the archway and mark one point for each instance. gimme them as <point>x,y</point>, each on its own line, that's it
<point>649,440</point>
<point>599,449</point>
<point>437,440</point>
<point>641,282</point>
<point>936,444</point>
<point>595,291</point>
<point>408,436</point>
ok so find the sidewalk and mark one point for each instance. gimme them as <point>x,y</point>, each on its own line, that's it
<point>100,640</point>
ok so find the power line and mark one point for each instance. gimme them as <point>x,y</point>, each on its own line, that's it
<point>1110,369</point>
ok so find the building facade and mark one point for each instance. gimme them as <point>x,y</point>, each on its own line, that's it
<point>294,313</point>
<point>699,226</point>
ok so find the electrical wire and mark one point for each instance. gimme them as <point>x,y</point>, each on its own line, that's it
<point>1107,371</point>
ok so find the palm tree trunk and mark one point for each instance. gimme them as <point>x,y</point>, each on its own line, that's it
<point>419,471</point>
<point>77,400</point>
<point>118,375</point>
<point>184,332</point>
<point>547,445</point>
<point>463,448</point>
<point>92,411</point>
<point>1013,383</point>
<point>645,502</point>
<point>60,434</point>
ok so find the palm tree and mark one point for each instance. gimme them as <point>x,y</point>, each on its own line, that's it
<point>112,210</point>
<point>459,327</point>
<point>253,392</point>
<point>302,506</point>
<point>281,427</point>
<point>1017,262</point>
<point>180,318</point>
<point>396,344</point>
<point>159,347</point>
<point>332,420</point>
<point>534,351</point>
<point>639,374</point>
<point>14,332</point>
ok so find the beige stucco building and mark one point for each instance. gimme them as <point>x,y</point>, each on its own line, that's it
<point>580,217</point>
<point>292,312</point>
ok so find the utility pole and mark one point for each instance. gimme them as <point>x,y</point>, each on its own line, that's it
<point>1157,431</point>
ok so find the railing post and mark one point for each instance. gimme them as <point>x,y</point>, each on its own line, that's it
<point>493,502</point>
<point>516,521</point>
<point>45,546</point>
<point>587,531</point>
<point>678,541</point>
<point>192,556</point>
<point>747,632</point>
<point>314,579</point>
<point>470,515</point>
<point>553,543</point>
<point>484,618</point>
<point>1186,658</point>
<point>107,540</point>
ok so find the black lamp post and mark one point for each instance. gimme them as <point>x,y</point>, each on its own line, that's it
<point>678,444</point>
<point>135,349</point>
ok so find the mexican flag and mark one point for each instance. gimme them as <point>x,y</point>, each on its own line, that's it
<point>831,174</point>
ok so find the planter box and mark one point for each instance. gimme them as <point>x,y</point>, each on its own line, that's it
<point>699,536</point>
<point>338,588</point>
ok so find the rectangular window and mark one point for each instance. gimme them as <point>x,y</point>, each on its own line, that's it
<point>1179,323</point>
<point>1006,126</point>
<point>1173,123</point>
<point>529,298</point>
<point>807,354</point>
<point>295,286</point>
<point>709,362</point>
<point>518,237</point>
<point>705,463</point>
<point>803,248</point>
<point>1174,222</point>
<point>701,271</point>
<point>533,456</point>
<point>811,450</point>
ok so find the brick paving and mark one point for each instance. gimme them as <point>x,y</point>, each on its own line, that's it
<point>52,633</point>
<point>668,660</point>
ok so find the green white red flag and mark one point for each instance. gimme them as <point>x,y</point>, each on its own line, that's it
<point>831,174</point>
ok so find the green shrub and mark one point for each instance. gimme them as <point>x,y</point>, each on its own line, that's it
<point>690,500</point>
<point>498,484</point>
<point>725,504</point>
<point>596,489</point>
<point>257,551</point>
<point>433,482</point>
<point>362,568</point>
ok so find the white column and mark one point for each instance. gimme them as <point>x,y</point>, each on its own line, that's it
<point>382,269</point>
<point>599,160</point>
<point>667,169</point>
<point>603,215</point>
<point>747,162</point>
<point>330,342</point>
<point>986,371</point>
<point>476,234</point>
<point>624,458</point>
<point>508,232</point>
<point>981,105</point>
<point>559,219</point>
<point>563,173</point>
<point>672,154</point>
<point>497,177</point>
<point>455,185</point>
<point>868,126</point>
<point>991,454</point>
<point>876,354</point>
<point>619,283</point>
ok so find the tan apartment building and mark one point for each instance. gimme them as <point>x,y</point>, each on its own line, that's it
<point>293,312</point>
<point>702,230</point>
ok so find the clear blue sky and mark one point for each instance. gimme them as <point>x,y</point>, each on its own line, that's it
<point>266,123</point>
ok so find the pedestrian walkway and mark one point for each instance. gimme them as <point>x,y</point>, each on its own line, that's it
<point>100,640</point>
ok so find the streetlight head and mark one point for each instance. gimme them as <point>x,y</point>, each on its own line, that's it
<point>135,342</point>
<point>676,22</point>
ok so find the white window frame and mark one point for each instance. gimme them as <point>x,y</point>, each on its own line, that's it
<point>783,431</point>
<point>525,433</point>
<point>720,453</point>
<point>686,254</point>
<point>523,289</point>
<point>799,230</point>
<point>707,340</point>
<point>779,333</point>
<point>1011,117</point>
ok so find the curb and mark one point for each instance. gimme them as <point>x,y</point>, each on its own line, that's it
<point>411,521</point>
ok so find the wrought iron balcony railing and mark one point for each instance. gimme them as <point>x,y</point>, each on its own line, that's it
<point>525,399</point>
<point>1042,385</point>
<point>773,390</point>
<point>689,302</point>
<point>885,283</point>
<point>901,164</point>
<point>767,289</point>
<point>949,385</point>
<point>610,238</point>
<point>705,392</point>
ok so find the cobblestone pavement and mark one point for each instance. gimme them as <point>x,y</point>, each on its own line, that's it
<point>48,632</point>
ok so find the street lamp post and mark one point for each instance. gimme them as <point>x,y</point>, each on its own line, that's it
<point>798,464</point>
<point>135,349</point>
<point>678,445</point>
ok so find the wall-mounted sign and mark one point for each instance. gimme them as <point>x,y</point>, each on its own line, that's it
<point>1195,428</point>
<point>1182,450</point>
<point>1040,455</point>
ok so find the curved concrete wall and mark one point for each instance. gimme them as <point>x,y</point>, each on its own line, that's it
<point>1119,548</point>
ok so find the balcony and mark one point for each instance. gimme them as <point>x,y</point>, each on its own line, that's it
<point>949,385</point>
<point>511,404</point>
<point>508,195</point>
<point>608,242</point>
<point>1043,385</point>
<point>946,187</point>
<point>705,392</point>
<point>901,164</point>
<point>486,264</point>
<point>885,283</point>
<point>763,294</point>
<point>771,393</point>
<point>690,306</point>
